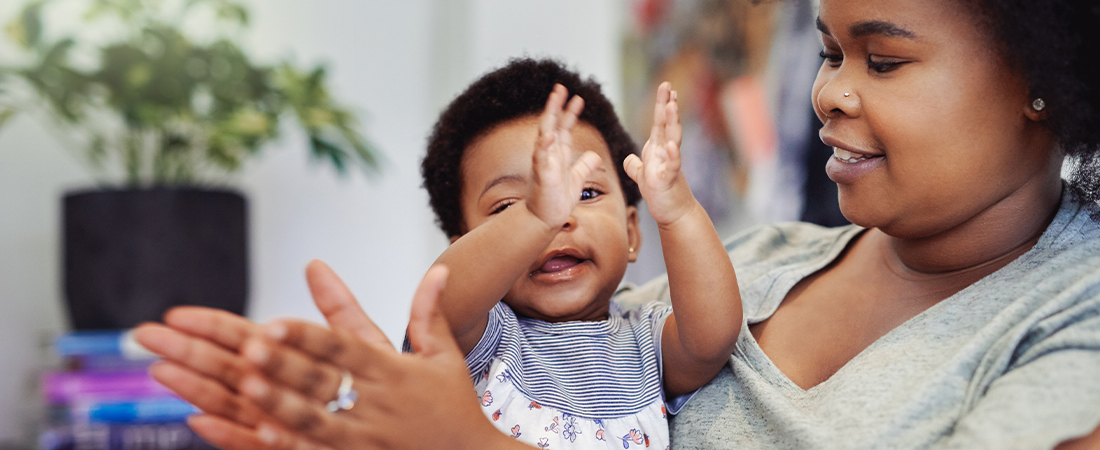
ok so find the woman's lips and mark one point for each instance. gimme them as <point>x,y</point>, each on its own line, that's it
<point>847,166</point>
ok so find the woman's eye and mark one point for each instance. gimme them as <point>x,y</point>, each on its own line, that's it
<point>883,65</point>
<point>589,194</point>
<point>500,207</point>
<point>833,59</point>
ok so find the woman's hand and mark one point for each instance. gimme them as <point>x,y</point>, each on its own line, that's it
<point>416,400</point>
<point>657,172</point>
<point>203,365</point>
<point>558,180</point>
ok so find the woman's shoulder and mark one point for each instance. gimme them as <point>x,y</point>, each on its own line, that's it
<point>755,252</point>
<point>784,243</point>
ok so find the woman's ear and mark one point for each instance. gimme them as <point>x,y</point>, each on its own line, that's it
<point>633,233</point>
<point>1035,110</point>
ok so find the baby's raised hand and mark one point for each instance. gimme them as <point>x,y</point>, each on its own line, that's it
<point>657,172</point>
<point>558,179</point>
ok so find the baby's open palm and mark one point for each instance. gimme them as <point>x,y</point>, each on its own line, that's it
<point>657,172</point>
<point>557,180</point>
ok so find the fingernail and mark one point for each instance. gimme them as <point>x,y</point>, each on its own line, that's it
<point>256,352</point>
<point>267,434</point>
<point>673,95</point>
<point>275,330</point>
<point>254,387</point>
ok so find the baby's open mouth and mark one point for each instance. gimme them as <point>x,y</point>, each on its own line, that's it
<point>558,264</point>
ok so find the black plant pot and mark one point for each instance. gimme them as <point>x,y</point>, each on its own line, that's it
<point>132,254</point>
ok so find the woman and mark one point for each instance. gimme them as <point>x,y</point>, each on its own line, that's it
<point>963,311</point>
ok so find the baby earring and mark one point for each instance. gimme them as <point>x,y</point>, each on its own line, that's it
<point>1038,104</point>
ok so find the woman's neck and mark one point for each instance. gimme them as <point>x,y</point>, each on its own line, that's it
<point>991,239</point>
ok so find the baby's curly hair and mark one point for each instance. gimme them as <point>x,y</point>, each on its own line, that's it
<point>1055,45</point>
<point>517,90</point>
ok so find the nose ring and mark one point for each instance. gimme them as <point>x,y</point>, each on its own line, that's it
<point>847,94</point>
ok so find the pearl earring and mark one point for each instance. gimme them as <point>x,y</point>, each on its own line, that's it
<point>631,249</point>
<point>847,94</point>
<point>1038,104</point>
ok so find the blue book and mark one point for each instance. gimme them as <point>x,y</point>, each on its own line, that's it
<point>164,436</point>
<point>101,343</point>
<point>145,410</point>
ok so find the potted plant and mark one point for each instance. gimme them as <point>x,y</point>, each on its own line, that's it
<point>162,118</point>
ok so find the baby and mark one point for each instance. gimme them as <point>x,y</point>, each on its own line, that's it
<point>538,197</point>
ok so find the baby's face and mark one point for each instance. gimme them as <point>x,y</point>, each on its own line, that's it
<point>574,277</point>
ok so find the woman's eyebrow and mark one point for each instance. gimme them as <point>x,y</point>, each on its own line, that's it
<point>870,27</point>
<point>867,28</point>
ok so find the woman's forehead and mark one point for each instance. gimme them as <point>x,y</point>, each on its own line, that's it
<point>906,19</point>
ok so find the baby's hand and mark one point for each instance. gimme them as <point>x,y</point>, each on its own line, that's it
<point>557,179</point>
<point>657,172</point>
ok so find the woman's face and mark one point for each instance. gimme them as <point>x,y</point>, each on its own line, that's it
<point>930,126</point>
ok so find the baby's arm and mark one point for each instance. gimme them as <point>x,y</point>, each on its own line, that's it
<point>700,335</point>
<point>487,260</point>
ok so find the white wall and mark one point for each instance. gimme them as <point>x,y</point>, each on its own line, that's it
<point>398,62</point>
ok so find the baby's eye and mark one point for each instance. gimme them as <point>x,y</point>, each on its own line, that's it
<point>589,194</point>
<point>501,207</point>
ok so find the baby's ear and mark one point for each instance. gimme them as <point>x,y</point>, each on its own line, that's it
<point>633,232</point>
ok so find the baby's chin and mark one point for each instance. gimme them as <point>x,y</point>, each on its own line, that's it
<point>596,310</point>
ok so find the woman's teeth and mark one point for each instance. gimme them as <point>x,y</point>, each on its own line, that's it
<point>849,157</point>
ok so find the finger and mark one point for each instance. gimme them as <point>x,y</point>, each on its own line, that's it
<point>572,112</point>
<point>206,394</point>
<point>293,369</point>
<point>568,121</point>
<point>657,133</point>
<point>428,331</point>
<point>674,131</point>
<point>633,167</point>
<point>293,411</point>
<point>583,168</point>
<point>215,325</point>
<point>317,343</point>
<point>200,355</point>
<point>224,433</point>
<point>338,304</point>
<point>279,439</point>
<point>551,114</point>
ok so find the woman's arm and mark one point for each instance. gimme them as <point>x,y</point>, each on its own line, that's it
<point>428,392</point>
<point>1049,393</point>
<point>488,259</point>
<point>699,336</point>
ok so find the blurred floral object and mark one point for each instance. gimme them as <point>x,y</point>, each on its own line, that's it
<point>159,105</point>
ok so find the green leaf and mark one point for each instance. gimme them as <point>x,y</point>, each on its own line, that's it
<point>26,29</point>
<point>6,115</point>
<point>234,12</point>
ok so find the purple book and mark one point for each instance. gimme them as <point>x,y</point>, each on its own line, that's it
<point>66,387</point>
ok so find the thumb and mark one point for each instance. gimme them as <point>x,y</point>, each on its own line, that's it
<point>428,331</point>
<point>584,166</point>
<point>633,167</point>
<point>338,304</point>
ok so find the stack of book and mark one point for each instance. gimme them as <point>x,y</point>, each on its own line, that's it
<point>104,399</point>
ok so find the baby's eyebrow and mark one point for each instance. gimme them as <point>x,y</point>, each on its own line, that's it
<point>502,179</point>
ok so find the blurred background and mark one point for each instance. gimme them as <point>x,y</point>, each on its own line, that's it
<point>743,74</point>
